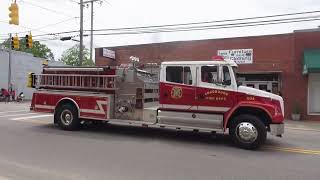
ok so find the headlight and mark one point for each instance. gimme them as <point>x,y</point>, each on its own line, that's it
<point>278,107</point>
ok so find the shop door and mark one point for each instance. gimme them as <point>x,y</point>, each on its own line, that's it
<point>314,93</point>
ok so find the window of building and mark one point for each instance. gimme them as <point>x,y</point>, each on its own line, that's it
<point>270,82</point>
<point>179,74</point>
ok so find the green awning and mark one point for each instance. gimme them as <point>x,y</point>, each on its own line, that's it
<point>311,61</point>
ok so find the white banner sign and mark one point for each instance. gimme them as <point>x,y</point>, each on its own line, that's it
<point>108,53</point>
<point>239,56</point>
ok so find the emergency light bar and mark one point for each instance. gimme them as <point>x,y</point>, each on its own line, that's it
<point>217,58</point>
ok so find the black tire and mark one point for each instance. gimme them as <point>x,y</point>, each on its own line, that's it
<point>66,117</point>
<point>250,122</point>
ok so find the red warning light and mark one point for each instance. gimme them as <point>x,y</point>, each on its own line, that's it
<point>217,58</point>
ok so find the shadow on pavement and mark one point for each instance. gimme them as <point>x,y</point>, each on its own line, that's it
<point>119,132</point>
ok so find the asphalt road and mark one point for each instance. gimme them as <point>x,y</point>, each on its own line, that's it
<point>32,148</point>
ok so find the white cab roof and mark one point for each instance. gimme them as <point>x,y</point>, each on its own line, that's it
<point>212,62</point>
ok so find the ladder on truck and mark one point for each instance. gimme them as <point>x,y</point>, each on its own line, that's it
<point>75,81</point>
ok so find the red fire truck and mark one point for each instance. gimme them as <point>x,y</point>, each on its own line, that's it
<point>187,95</point>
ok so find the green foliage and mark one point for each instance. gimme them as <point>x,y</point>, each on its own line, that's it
<point>38,49</point>
<point>296,108</point>
<point>71,56</point>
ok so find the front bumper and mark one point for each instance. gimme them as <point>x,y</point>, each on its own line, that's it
<point>277,129</point>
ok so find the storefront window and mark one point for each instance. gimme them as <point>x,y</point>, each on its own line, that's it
<point>269,82</point>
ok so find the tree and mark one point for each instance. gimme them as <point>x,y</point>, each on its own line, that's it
<point>38,49</point>
<point>71,56</point>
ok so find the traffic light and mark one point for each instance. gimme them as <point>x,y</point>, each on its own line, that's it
<point>29,42</point>
<point>14,14</point>
<point>15,42</point>
<point>30,82</point>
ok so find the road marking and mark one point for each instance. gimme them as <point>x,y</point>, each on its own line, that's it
<point>31,117</point>
<point>34,121</point>
<point>293,150</point>
<point>40,170</point>
<point>3,178</point>
<point>303,129</point>
<point>18,115</point>
<point>3,112</point>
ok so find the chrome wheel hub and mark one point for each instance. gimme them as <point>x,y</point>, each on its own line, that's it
<point>66,117</point>
<point>246,132</point>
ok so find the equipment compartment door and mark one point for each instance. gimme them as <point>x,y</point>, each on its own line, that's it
<point>94,107</point>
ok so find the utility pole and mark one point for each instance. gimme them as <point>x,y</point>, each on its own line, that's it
<point>9,70</point>
<point>82,3</point>
<point>91,33</point>
<point>81,33</point>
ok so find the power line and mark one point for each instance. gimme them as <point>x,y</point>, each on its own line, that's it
<point>41,27</point>
<point>184,24</point>
<point>56,33</point>
<point>208,22</point>
<point>197,29</point>
<point>5,22</point>
<point>208,28</point>
<point>49,25</point>
<point>79,2</point>
<point>213,25</point>
<point>47,9</point>
<point>74,1</point>
<point>243,23</point>
<point>148,28</point>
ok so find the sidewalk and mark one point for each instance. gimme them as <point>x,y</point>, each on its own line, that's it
<point>303,125</point>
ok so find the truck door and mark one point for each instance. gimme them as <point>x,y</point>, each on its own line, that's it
<point>177,90</point>
<point>215,88</point>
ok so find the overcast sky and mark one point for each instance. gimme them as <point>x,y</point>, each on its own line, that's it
<point>129,13</point>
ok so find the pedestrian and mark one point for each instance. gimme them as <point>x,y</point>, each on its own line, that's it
<point>13,95</point>
<point>10,87</point>
<point>1,94</point>
<point>6,95</point>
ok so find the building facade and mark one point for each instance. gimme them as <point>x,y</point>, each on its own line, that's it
<point>21,64</point>
<point>285,64</point>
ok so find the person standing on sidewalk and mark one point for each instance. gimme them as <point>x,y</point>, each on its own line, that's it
<point>12,92</point>
<point>13,95</point>
<point>6,95</point>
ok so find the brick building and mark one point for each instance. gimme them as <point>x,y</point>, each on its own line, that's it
<point>287,64</point>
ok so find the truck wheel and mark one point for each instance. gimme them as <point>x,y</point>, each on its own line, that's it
<point>248,131</point>
<point>67,117</point>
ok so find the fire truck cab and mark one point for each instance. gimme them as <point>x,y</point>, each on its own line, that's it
<point>187,95</point>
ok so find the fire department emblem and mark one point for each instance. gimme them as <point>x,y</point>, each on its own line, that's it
<point>176,92</point>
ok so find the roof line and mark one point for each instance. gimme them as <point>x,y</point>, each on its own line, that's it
<point>197,40</point>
